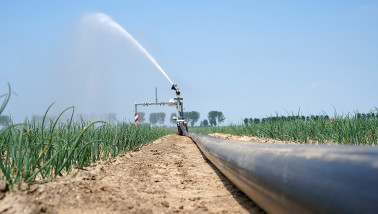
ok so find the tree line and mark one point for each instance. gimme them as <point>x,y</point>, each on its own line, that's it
<point>248,121</point>
<point>213,118</point>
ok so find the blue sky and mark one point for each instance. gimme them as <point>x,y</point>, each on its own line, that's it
<point>244,58</point>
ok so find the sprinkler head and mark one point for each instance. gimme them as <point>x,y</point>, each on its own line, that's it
<point>174,87</point>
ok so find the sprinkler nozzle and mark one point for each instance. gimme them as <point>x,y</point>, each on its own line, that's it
<point>174,87</point>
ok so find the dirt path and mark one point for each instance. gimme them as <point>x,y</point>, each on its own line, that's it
<point>167,176</point>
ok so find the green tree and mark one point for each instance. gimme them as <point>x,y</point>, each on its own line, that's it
<point>215,117</point>
<point>195,117</point>
<point>220,117</point>
<point>153,118</point>
<point>161,117</point>
<point>204,123</point>
<point>141,117</point>
<point>192,117</point>
<point>212,116</point>
<point>245,121</point>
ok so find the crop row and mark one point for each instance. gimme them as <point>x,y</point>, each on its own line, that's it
<point>350,130</point>
<point>34,152</point>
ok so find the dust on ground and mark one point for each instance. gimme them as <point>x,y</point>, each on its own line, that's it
<point>169,175</point>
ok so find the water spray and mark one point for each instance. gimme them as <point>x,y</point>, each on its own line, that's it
<point>108,21</point>
<point>180,120</point>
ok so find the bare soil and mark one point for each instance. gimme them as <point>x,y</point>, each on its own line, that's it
<point>168,175</point>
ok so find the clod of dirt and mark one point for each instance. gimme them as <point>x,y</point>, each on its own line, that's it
<point>4,187</point>
<point>165,204</point>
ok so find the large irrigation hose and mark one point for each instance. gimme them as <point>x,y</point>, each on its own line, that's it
<point>292,178</point>
<point>182,128</point>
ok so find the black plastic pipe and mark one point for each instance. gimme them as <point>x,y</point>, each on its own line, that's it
<point>294,178</point>
<point>183,129</point>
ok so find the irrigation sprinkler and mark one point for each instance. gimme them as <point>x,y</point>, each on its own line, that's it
<point>182,127</point>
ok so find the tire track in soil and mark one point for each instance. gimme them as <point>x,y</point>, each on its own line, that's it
<point>169,175</point>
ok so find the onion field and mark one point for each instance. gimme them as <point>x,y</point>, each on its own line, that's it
<point>33,152</point>
<point>351,129</point>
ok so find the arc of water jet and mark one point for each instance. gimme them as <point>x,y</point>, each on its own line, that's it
<point>108,20</point>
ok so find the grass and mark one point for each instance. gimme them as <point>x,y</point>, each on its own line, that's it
<point>34,151</point>
<point>349,130</point>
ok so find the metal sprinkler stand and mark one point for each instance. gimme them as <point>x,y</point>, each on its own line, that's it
<point>182,127</point>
